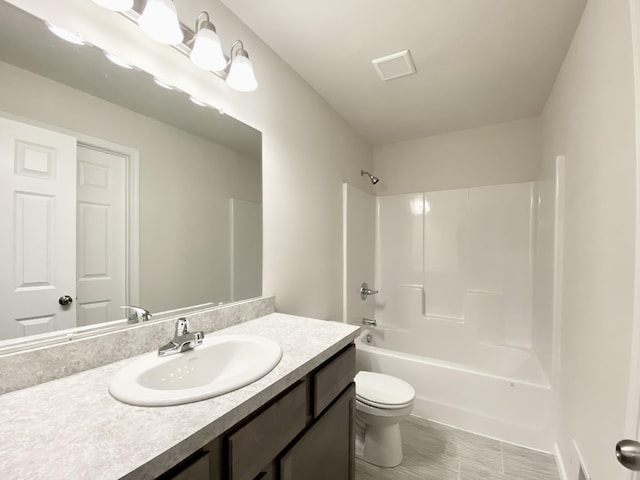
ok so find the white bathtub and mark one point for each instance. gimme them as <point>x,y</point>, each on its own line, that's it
<point>513,405</point>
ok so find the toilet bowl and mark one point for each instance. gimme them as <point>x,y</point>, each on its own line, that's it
<point>382,402</point>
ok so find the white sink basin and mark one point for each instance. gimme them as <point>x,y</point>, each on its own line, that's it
<point>222,363</point>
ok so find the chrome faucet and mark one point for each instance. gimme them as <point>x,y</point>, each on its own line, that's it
<point>370,322</point>
<point>182,340</point>
<point>136,314</point>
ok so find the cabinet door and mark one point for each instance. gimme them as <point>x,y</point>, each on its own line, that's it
<point>268,472</point>
<point>261,439</point>
<point>326,451</point>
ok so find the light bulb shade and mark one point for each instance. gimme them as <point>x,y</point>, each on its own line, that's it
<point>115,5</point>
<point>207,51</point>
<point>159,20</point>
<point>241,76</point>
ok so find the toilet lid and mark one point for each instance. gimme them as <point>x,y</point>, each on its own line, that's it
<point>383,391</point>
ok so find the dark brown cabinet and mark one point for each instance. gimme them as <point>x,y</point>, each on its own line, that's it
<point>306,433</point>
<point>260,440</point>
<point>326,450</point>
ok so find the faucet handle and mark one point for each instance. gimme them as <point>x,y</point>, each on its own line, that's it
<point>137,314</point>
<point>182,326</point>
<point>365,291</point>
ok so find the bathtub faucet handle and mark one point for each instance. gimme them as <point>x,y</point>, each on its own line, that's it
<point>365,291</point>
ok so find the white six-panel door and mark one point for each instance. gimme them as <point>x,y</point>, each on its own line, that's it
<point>101,236</point>
<point>38,238</point>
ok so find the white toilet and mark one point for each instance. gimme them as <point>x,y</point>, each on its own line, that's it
<point>382,401</point>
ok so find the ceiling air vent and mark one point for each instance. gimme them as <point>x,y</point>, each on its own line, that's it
<point>395,65</point>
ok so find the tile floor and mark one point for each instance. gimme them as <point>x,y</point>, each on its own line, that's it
<point>437,452</point>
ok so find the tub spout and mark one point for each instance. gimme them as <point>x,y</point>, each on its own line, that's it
<point>370,322</point>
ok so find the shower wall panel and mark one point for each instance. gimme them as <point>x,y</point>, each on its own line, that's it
<point>499,260</point>
<point>455,268</point>
<point>446,234</point>
<point>399,258</point>
<point>544,261</point>
<point>358,250</point>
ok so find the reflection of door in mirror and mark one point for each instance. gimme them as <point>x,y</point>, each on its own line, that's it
<point>38,243</point>
<point>56,196</point>
<point>101,233</point>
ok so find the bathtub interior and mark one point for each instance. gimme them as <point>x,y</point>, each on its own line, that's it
<point>512,404</point>
<point>507,362</point>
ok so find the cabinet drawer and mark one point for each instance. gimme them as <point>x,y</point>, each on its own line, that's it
<point>260,440</point>
<point>331,379</point>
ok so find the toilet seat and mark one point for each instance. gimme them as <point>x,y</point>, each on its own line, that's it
<point>384,406</point>
<point>383,391</point>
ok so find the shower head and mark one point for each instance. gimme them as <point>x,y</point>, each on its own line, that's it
<point>373,179</point>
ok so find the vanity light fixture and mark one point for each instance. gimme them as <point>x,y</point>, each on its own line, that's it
<point>159,20</point>
<point>70,37</point>
<point>118,61</point>
<point>207,51</point>
<point>241,76</point>
<point>115,5</point>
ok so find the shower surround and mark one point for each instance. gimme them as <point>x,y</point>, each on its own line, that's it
<point>463,281</point>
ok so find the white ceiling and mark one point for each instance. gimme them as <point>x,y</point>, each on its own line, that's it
<point>478,62</point>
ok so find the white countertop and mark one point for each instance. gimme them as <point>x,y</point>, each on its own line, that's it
<point>72,427</point>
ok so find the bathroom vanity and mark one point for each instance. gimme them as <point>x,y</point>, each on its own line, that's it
<point>294,423</point>
<point>305,433</point>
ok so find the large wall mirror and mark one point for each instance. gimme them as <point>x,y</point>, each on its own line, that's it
<point>115,190</point>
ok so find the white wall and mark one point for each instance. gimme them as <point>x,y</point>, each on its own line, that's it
<point>589,117</point>
<point>185,186</point>
<point>308,150</point>
<point>492,155</point>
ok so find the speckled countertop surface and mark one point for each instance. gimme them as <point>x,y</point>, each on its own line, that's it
<point>73,428</point>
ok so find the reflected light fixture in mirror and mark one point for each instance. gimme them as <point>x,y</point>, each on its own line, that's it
<point>118,61</point>
<point>207,51</point>
<point>241,76</point>
<point>198,102</point>
<point>163,84</point>
<point>159,20</point>
<point>115,5</point>
<point>70,37</point>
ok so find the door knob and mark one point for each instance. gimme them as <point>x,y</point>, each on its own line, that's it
<point>628,454</point>
<point>65,300</point>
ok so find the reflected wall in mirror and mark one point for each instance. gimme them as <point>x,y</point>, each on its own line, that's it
<point>115,190</point>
